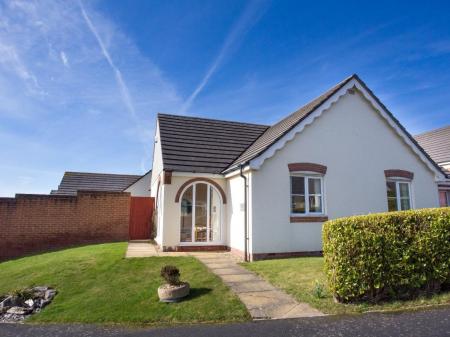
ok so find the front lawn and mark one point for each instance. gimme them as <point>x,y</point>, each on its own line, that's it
<point>96,284</point>
<point>298,276</point>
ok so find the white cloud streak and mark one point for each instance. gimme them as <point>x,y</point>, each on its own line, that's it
<point>69,103</point>
<point>119,78</point>
<point>125,92</point>
<point>64,59</point>
<point>10,57</point>
<point>249,17</point>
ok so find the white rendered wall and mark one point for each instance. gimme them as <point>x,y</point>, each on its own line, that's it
<point>157,165</point>
<point>155,186</point>
<point>356,145</point>
<point>236,212</point>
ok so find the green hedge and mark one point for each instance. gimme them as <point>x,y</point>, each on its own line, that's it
<point>396,255</point>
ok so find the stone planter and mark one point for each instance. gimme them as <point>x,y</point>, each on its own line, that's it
<point>170,293</point>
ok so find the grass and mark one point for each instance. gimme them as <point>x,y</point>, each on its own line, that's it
<point>97,285</point>
<point>298,277</point>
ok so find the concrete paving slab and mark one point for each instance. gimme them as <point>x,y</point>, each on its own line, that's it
<point>239,278</point>
<point>230,271</point>
<point>268,299</point>
<point>251,286</point>
<point>219,265</point>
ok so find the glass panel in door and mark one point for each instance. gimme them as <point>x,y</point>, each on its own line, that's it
<point>214,215</point>
<point>201,216</point>
<point>186,215</point>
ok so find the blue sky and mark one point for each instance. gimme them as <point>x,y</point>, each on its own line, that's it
<point>81,82</point>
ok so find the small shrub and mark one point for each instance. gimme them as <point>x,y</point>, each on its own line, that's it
<point>23,294</point>
<point>319,290</point>
<point>395,255</point>
<point>171,274</point>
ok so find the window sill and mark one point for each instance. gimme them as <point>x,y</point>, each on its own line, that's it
<point>308,218</point>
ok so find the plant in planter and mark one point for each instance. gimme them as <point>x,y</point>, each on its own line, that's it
<point>173,290</point>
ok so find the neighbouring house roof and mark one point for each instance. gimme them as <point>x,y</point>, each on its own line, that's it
<point>436,143</point>
<point>191,144</point>
<point>75,181</point>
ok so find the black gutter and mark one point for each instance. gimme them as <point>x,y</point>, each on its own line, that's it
<point>245,216</point>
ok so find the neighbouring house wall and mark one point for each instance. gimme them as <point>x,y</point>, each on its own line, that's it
<point>141,188</point>
<point>32,223</point>
<point>172,210</point>
<point>357,145</point>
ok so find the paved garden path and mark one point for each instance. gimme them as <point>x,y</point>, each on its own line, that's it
<point>146,248</point>
<point>262,300</point>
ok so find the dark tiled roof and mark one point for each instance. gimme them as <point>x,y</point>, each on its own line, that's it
<point>192,144</point>
<point>275,132</point>
<point>212,146</point>
<point>436,143</point>
<point>75,181</point>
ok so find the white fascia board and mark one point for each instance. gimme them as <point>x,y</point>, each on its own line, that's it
<point>257,162</point>
<point>237,171</point>
<point>197,175</point>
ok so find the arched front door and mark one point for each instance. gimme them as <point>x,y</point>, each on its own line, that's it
<point>201,214</point>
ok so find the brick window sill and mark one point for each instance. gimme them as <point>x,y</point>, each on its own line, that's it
<point>294,219</point>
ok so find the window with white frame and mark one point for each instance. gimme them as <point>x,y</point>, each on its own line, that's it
<point>398,194</point>
<point>306,194</point>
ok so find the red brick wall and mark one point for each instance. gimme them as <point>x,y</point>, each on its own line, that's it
<point>31,223</point>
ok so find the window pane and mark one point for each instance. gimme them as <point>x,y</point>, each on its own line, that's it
<point>298,204</point>
<point>315,204</point>
<point>297,185</point>
<point>448,198</point>
<point>214,215</point>
<point>392,204</point>
<point>404,190</point>
<point>186,216</point>
<point>391,192</point>
<point>201,191</point>
<point>405,204</point>
<point>314,186</point>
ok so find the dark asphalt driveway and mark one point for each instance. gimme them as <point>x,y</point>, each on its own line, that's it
<point>424,323</point>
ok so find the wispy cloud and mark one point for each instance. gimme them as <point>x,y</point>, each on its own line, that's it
<point>64,59</point>
<point>249,17</point>
<point>78,89</point>
<point>117,73</point>
<point>11,60</point>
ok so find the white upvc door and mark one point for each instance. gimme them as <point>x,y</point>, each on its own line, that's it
<point>201,214</point>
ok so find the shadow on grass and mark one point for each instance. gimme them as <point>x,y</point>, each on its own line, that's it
<point>197,292</point>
